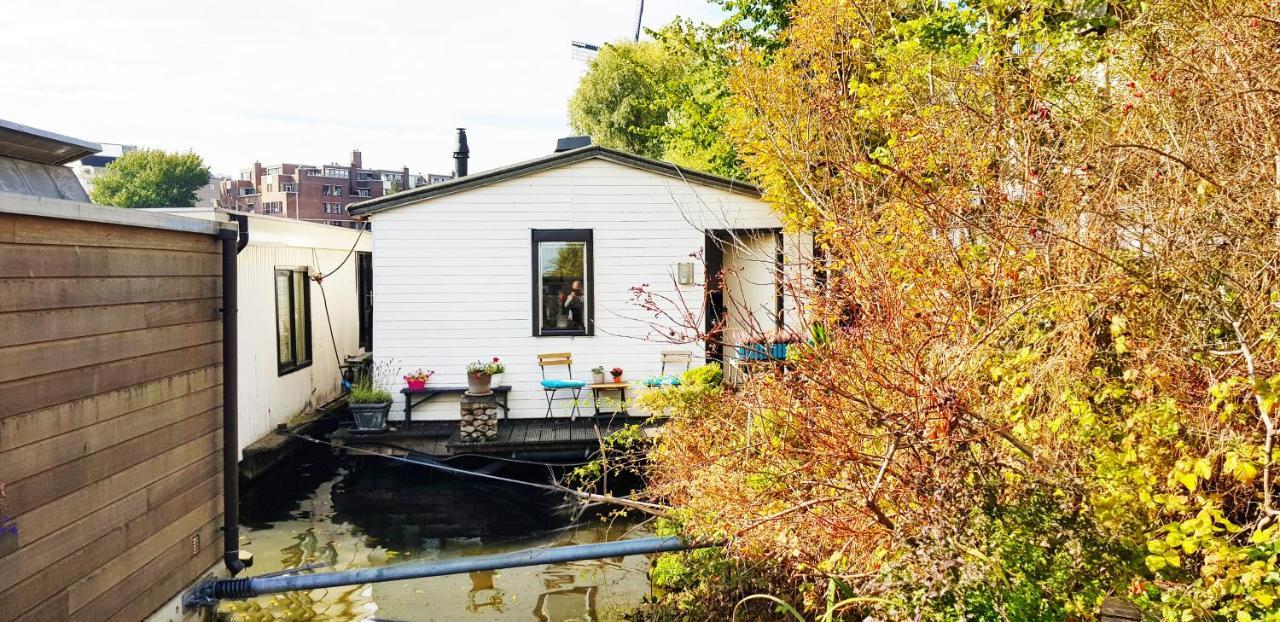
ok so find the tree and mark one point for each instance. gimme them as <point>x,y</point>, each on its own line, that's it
<point>151,178</point>
<point>1044,366</point>
<point>669,98</point>
<point>622,100</point>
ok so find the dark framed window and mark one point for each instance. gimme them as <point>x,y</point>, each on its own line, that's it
<point>364,290</point>
<point>563,283</point>
<point>293,320</point>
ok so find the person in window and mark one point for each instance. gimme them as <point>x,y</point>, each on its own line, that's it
<point>573,304</point>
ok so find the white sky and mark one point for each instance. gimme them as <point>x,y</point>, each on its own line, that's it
<point>243,80</point>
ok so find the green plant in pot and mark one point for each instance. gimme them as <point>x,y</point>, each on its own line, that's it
<point>369,400</point>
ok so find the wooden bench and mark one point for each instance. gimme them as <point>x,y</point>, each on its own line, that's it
<point>430,391</point>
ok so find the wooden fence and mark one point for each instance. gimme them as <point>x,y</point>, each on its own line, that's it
<point>110,409</point>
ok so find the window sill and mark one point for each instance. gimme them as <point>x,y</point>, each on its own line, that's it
<point>563,333</point>
<point>285,371</point>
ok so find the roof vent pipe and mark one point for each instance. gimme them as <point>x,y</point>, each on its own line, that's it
<point>460,154</point>
<point>572,142</point>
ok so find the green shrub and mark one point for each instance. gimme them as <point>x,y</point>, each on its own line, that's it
<point>368,387</point>
<point>368,395</point>
<point>708,375</point>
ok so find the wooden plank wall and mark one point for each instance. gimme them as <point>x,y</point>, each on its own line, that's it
<point>110,417</point>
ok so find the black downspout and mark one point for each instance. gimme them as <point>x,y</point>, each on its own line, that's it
<point>230,406</point>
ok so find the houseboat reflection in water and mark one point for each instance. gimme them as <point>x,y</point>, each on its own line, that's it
<point>361,513</point>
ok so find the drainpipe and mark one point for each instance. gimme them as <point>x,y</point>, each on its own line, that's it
<point>230,405</point>
<point>210,592</point>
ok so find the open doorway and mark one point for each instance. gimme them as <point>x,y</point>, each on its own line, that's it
<point>745,299</point>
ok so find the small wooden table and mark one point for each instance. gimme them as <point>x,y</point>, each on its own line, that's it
<point>620,387</point>
<point>431,391</point>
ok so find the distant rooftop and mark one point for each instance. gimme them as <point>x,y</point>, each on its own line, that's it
<point>22,142</point>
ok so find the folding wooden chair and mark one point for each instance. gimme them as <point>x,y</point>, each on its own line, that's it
<point>674,358</point>
<point>551,385</point>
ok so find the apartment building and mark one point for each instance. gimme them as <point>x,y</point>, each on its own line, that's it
<point>315,193</point>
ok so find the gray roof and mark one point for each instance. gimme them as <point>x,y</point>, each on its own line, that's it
<point>22,142</point>
<point>554,160</point>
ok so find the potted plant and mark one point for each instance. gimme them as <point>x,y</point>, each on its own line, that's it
<point>496,369</point>
<point>479,378</point>
<point>616,372</point>
<point>771,347</point>
<point>369,401</point>
<point>417,381</point>
<point>597,374</point>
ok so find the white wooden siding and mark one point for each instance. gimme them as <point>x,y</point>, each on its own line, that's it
<point>268,399</point>
<point>452,275</point>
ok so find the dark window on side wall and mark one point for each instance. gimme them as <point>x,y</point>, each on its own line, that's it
<point>563,283</point>
<point>364,290</point>
<point>293,319</point>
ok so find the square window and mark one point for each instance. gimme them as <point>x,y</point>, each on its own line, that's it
<point>563,282</point>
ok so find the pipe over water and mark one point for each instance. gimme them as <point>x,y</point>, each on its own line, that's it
<point>208,593</point>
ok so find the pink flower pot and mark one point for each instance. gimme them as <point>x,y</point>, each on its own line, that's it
<point>417,385</point>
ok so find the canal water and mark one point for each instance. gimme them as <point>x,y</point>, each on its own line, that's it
<point>358,513</point>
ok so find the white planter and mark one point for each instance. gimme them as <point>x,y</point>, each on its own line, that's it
<point>497,380</point>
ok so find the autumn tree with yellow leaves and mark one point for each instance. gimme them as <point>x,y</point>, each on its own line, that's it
<point>1042,359</point>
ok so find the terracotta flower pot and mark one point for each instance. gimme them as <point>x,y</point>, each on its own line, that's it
<point>479,384</point>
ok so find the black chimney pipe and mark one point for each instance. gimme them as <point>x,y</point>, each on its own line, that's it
<point>460,154</point>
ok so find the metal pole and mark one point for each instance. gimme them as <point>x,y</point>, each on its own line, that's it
<point>210,592</point>
<point>639,18</point>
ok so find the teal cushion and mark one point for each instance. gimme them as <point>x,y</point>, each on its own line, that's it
<point>563,384</point>
<point>660,381</point>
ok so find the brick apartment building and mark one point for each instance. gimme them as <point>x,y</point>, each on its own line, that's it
<point>314,193</point>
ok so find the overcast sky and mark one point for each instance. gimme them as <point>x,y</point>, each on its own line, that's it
<point>244,80</point>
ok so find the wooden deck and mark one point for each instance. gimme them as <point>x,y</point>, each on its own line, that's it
<point>516,437</point>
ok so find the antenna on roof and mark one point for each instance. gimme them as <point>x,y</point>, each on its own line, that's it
<point>583,51</point>
<point>639,17</point>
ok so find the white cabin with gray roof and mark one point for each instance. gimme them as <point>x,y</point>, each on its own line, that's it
<point>544,257</point>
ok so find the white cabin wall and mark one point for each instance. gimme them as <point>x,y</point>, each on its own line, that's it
<point>750,261</point>
<point>268,399</point>
<point>452,275</point>
<point>750,274</point>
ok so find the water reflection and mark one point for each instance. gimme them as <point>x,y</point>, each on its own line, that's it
<point>354,514</point>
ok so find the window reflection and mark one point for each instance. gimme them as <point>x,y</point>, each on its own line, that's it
<point>563,286</point>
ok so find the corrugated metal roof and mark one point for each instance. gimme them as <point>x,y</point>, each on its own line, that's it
<point>23,142</point>
<point>40,180</point>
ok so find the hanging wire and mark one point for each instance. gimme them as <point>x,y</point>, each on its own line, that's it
<point>350,251</point>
